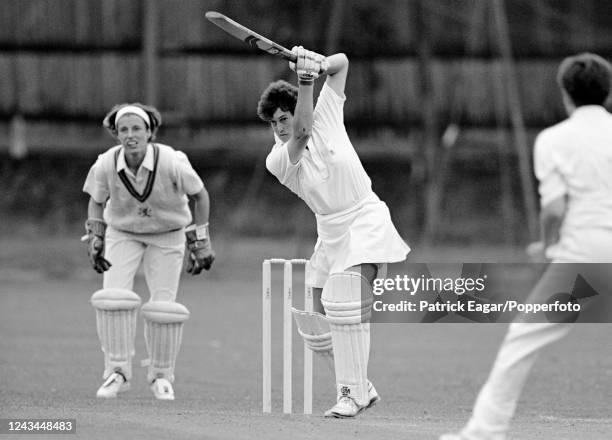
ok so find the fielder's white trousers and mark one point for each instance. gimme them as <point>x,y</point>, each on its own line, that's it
<point>160,254</point>
<point>496,402</point>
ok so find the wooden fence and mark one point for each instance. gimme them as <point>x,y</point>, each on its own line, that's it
<point>368,27</point>
<point>64,63</point>
<point>417,66</point>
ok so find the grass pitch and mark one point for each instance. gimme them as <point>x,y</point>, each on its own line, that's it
<point>427,374</point>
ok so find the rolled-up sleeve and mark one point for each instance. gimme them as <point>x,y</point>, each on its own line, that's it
<point>552,185</point>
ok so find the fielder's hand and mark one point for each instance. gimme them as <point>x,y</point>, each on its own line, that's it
<point>536,252</point>
<point>308,65</point>
<point>96,229</point>
<point>201,255</point>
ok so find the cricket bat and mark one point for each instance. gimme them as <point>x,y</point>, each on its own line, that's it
<point>250,37</point>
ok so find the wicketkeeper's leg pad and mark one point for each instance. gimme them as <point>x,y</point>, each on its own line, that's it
<point>116,315</point>
<point>163,336</point>
<point>347,299</point>
<point>314,328</point>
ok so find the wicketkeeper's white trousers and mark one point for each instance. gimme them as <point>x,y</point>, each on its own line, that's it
<point>160,254</point>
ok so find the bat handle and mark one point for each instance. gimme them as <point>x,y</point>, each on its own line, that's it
<point>289,56</point>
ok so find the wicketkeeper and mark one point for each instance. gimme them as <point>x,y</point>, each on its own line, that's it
<point>139,213</point>
<point>313,157</point>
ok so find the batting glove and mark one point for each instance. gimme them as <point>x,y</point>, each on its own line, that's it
<point>308,65</point>
<point>201,255</point>
<point>96,229</point>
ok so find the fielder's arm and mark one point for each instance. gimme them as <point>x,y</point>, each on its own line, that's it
<point>201,255</point>
<point>95,236</point>
<point>95,209</point>
<point>551,219</point>
<point>201,207</point>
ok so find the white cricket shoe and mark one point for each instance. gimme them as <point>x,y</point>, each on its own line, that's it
<point>452,437</point>
<point>113,385</point>
<point>345,408</point>
<point>162,388</point>
<point>373,395</point>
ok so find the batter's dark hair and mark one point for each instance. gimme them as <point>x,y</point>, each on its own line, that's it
<point>154,116</point>
<point>279,94</point>
<point>586,78</point>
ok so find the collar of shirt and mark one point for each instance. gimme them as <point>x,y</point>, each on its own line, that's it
<point>147,162</point>
<point>588,111</point>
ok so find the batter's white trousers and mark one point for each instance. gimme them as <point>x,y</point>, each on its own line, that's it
<point>161,256</point>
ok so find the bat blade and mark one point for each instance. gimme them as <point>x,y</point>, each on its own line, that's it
<point>248,36</point>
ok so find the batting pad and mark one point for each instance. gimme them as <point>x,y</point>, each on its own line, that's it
<point>163,335</point>
<point>116,313</point>
<point>347,299</point>
<point>314,328</point>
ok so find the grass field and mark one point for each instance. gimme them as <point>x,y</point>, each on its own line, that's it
<point>427,374</point>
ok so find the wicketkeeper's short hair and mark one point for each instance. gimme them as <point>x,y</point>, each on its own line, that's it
<point>586,77</point>
<point>279,94</point>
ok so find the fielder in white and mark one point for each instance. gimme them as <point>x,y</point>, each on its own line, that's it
<point>573,163</point>
<point>139,213</point>
<point>315,159</point>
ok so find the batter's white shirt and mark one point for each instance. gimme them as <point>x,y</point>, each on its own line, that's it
<point>574,159</point>
<point>329,176</point>
<point>154,200</point>
<point>354,226</point>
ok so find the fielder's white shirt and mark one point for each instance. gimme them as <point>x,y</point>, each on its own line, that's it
<point>154,200</point>
<point>574,159</point>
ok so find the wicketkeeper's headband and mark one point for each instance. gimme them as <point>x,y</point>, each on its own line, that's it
<point>133,110</point>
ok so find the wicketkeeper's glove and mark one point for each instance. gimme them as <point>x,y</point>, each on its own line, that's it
<point>308,65</point>
<point>96,228</point>
<point>201,255</point>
